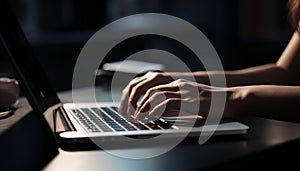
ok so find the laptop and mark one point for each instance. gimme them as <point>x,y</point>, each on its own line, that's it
<point>74,125</point>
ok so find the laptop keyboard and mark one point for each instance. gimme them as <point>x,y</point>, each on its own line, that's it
<point>107,119</point>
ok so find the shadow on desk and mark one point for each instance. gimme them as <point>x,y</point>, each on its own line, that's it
<point>26,145</point>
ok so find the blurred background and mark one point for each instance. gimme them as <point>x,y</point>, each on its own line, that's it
<point>244,32</point>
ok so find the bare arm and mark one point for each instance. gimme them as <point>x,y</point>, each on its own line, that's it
<point>270,101</point>
<point>285,72</point>
<point>277,102</point>
<point>264,74</point>
<point>290,60</point>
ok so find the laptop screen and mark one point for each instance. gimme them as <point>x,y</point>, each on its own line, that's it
<point>28,70</point>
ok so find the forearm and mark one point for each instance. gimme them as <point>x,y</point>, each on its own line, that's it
<point>269,74</point>
<point>278,102</point>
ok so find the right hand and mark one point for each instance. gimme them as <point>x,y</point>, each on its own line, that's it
<point>139,86</point>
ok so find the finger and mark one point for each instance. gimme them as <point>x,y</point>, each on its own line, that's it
<point>126,93</point>
<point>155,100</point>
<point>124,101</point>
<point>152,79</point>
<point>160,88</point>
<point>137,91</point>
<point>166,106</point>
<point>135,94</point>
<point>182,106</point>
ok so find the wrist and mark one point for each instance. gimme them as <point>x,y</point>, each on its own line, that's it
<point>238,100</point>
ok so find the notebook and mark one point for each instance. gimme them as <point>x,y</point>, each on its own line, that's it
<point>74,125</point>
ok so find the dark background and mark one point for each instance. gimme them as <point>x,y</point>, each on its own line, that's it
<point>244,32</point>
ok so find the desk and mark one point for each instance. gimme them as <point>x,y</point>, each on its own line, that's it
<point>269,144</point>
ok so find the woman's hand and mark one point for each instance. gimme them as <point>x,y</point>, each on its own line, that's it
<point>137,87</point>
<point>166,97</point>
<point>186,98</point>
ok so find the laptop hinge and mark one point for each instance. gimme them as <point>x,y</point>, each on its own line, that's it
<point>61,121</point>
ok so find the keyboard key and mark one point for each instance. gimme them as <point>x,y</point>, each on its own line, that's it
<point>153,126</point>
<point>96,120</point>
<point>119,119</point>
<point>108,120</point>
<point>164,125</point>
<point>114,108</point>
<point>83,119</point>
<point>140,126</point>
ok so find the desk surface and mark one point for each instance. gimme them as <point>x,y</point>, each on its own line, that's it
<point>268,144</point>
<point>263,145</point>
